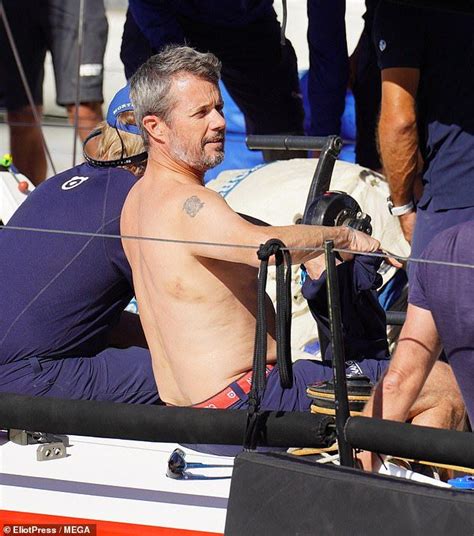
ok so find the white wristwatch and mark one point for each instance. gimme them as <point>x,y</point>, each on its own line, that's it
<point>400,210</point>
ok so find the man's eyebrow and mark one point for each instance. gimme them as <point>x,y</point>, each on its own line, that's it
<point>203,107</point>
<point>200,108</point>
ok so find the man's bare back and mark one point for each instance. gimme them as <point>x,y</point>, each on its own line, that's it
<point>197,301</point>
<point>200,311</point>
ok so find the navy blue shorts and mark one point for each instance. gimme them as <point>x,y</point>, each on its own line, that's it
<point>113,375</point>
<point>275,398</point>
<point>306,372</point>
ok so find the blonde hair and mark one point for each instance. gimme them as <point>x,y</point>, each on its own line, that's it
<point>114,144</point>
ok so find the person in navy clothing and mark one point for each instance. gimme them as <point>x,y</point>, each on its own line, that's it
<point>426,128</point>
<point>328,65</point>
<point>63,329</point>
<point>259,67</point>
<point>440,315</point>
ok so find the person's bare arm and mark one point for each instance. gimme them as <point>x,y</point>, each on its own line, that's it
<point>398,139</point>
<point>206,217</point>
<point>416,353</point>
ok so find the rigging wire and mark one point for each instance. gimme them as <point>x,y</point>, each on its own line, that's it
<point>53,124</point>
<point>80,37</point>
<point>384,253</point>
<point>283,24</point>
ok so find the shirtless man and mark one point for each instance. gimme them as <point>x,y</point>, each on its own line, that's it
<point>198,302</point>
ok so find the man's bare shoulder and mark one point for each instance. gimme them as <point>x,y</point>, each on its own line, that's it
<point>130,205</point>
<point>194,199</point>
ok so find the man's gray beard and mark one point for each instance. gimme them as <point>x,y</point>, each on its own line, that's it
<point>203,164</point>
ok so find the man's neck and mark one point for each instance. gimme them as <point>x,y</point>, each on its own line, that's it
<point>180,171</point>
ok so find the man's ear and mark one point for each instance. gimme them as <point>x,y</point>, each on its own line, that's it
<point>154,127</point>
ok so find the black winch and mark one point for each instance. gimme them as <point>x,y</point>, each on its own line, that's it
<point>338,208</point>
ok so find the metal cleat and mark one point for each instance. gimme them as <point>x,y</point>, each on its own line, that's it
<point>51,451</point>
<point>50,446</point>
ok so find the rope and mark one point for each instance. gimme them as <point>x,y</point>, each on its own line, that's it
<point>272,247</point>
<point>276,248</point>
<point>333,447</point>
<point>283,316</point>
<point>383,254</point>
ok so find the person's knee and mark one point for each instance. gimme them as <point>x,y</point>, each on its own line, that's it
<point>441,394</point>
<point>24,117</point>
<point>91,111</point>
<point>447,412</point>
<point>454,408</point>
<point>89,115</point>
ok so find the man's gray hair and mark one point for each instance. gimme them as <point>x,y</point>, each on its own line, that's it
<point>150,86</point>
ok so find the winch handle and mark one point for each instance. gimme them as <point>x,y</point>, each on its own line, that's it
<point>290,143</point>
<point>322,176</point>
<point>330,147</point>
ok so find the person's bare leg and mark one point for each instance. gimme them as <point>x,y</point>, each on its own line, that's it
<point>26,144</point>
<point>89,116</point>
<point>440,403</point>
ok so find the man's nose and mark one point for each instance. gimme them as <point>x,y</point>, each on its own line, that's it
<point>217,120</point>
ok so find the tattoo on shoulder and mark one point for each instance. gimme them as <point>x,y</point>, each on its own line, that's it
<point>192,205</point>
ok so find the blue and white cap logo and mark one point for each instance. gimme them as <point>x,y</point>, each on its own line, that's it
<point>73,182</point>
<point>382,45</point>
<point>119,104</point>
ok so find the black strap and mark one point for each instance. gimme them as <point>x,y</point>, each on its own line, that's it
<point>125,161</point>
<point>283,333</point>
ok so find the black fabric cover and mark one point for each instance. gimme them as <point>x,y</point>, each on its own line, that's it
<point>363,318</point>
<point>142,422</point>
<point>411,441</point>
<point>282,495</point>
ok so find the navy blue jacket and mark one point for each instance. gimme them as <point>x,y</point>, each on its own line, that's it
<point>363,319</point>
<point>60,294</point>
<point>159,19</point>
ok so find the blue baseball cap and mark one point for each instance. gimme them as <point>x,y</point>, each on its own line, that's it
<point>119,104</point>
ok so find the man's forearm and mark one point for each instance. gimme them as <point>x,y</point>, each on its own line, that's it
<point>307,237</point>
<point>398,389</point>
<point>221,225</point>
<point>398,132</point>
<point>399,150</point>
<point>393,396</point>
<point>417,351</point>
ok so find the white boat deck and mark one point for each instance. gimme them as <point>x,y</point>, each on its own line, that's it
<point>118,481</point>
